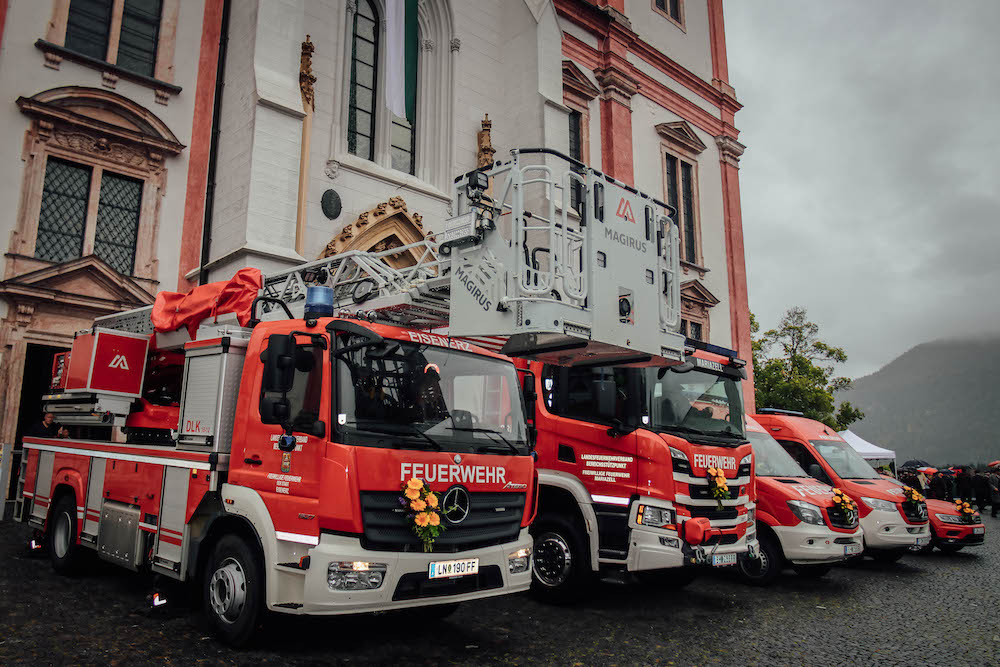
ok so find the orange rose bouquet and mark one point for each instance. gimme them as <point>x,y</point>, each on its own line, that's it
<point>422,511</point>
<point>844,502</point>
<point>912,495</point>
<point>965,511</point>
<point>717,485</point>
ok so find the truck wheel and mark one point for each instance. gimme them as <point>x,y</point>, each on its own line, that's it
<point>812,571</point>
<point>65,553</point>
<point>763,570</point>
<point>888,555</point>
<point>560,569</point>
<point>234,590</point>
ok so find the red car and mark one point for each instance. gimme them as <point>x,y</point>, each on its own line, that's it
<point>949,531</point>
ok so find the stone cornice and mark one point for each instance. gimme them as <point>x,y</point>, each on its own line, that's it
<point>730,150</point>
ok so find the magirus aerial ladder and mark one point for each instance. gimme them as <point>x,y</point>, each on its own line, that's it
<point>526,268</point>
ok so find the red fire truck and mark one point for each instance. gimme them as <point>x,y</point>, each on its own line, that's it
<point>891,523</point>
<point>799,522</point>
<point>627,462</point>
<point>266,463</point>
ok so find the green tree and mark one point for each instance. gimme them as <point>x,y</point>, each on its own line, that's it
<point>793,369</point>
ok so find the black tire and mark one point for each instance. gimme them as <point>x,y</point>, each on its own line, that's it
<point>812,571</point>
<point>888,555</point>
<point>560,564</point>
<point>233,590</point>
<point>950,548</point>
<point>60,537</point>
<point>765,569</point>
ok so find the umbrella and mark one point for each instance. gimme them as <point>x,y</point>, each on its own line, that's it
<point>915,463</point>
<point>994,464</point>
<point>927,470</point>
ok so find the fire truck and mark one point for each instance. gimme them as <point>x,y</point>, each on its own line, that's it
<point>258,437</point>
<point>891,522</point>
<point>801,522</point>
<point>627,461</point>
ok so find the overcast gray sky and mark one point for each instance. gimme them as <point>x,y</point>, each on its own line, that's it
<point>870,184</point>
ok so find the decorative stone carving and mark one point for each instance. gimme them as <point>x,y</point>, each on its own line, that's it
<point>397,202</point>
<point>485,152</point>
<point>162,96</point>
<point>456,44</point>
<point>25,312</point>
<point>52,61</point>
<point>418,220</point>
<point>381,209</point>
<point>427,45</point>
<point>307,79</point>
<point>730,150</point>
<point>347,233</point>
<point>388,225</point>
<point>332,169</point>
<point>352,6</point>
<point>363,219</point>
<point>85,143</point>
<point>109,80</point>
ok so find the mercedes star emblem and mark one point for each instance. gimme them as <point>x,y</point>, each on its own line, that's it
<point>458,458</point>
<point>456,505</point>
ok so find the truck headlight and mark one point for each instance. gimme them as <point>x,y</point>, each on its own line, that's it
<point>949,518</point>
<point>355,576</point>
<point>745,461</point>
<point>806,512</point>
<point>519,561</point>
<point>655,517</point>
<point>752,515</point>
<point>877,504</point>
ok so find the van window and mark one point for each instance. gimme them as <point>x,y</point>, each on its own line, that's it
<point>305,397</point>
<point>806,460</point>
<point>591,394</point>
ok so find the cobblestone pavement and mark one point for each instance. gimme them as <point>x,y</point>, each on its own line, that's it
<point>926,609</point>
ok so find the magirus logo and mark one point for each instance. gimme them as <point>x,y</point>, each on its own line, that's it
<point>119,362</point>
<point>625,211</point>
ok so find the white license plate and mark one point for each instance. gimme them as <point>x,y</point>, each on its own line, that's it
<point>921,541</point>
<point>979,531</point>
<point>852,549</point>
<point>722,560</point>
<point>453,568</point>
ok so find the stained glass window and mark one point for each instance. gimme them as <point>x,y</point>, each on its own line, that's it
<point>88,26</point>
<point>118,221</point>
<point>63,216</point>
<point>364,71</point>
<point>139,36</point>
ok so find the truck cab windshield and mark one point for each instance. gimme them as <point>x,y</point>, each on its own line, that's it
<point>412,396</point>
<point>844,460</point>
<point>771,459</point>
<point>694,401</point>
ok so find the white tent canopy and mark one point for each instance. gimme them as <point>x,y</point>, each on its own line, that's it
<point>867,450</point>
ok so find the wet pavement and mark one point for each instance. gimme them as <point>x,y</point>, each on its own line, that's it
<point>924,610</point>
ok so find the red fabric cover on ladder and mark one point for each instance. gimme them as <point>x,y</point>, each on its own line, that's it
<point>173,310</point>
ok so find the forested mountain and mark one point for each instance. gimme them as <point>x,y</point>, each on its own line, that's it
<point>939,401</point>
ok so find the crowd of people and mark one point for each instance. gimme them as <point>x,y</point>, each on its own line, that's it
<point>980,488</point>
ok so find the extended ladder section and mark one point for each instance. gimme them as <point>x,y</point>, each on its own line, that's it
<point>560,263</point>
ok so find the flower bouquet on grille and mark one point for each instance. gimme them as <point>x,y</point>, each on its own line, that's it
<point>912,495</point>
<point>717,485</point>
<point>965,511</point>
<point>843,502</point>
<point>421,504</point>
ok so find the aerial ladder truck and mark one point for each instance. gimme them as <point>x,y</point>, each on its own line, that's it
<point>344,436</point>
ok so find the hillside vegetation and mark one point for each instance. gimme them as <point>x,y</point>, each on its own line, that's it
<point>939,401</point>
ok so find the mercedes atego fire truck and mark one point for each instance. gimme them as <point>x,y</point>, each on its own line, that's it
<point>254,437</point>
<point>891,523</point>
<point>627,461</point>
<point>800,521</point>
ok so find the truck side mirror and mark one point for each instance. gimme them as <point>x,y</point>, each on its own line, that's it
<point>274,410</point>
<point>619,429</point>
<point>279,364</point>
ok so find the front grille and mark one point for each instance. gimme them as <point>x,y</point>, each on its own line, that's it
<point>721,540</point>
<point>703,492</point>
<point>915,511</point>
<point>417,585</point>
<point>712,514</point>
<point>494,518</point>
<point>841,519</point>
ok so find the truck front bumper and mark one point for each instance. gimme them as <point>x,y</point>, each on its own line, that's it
<point>964,535</point>
<point>659,549</point>
<point>405,582</point>
<point>887,530</point>
<point>809,544</point>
